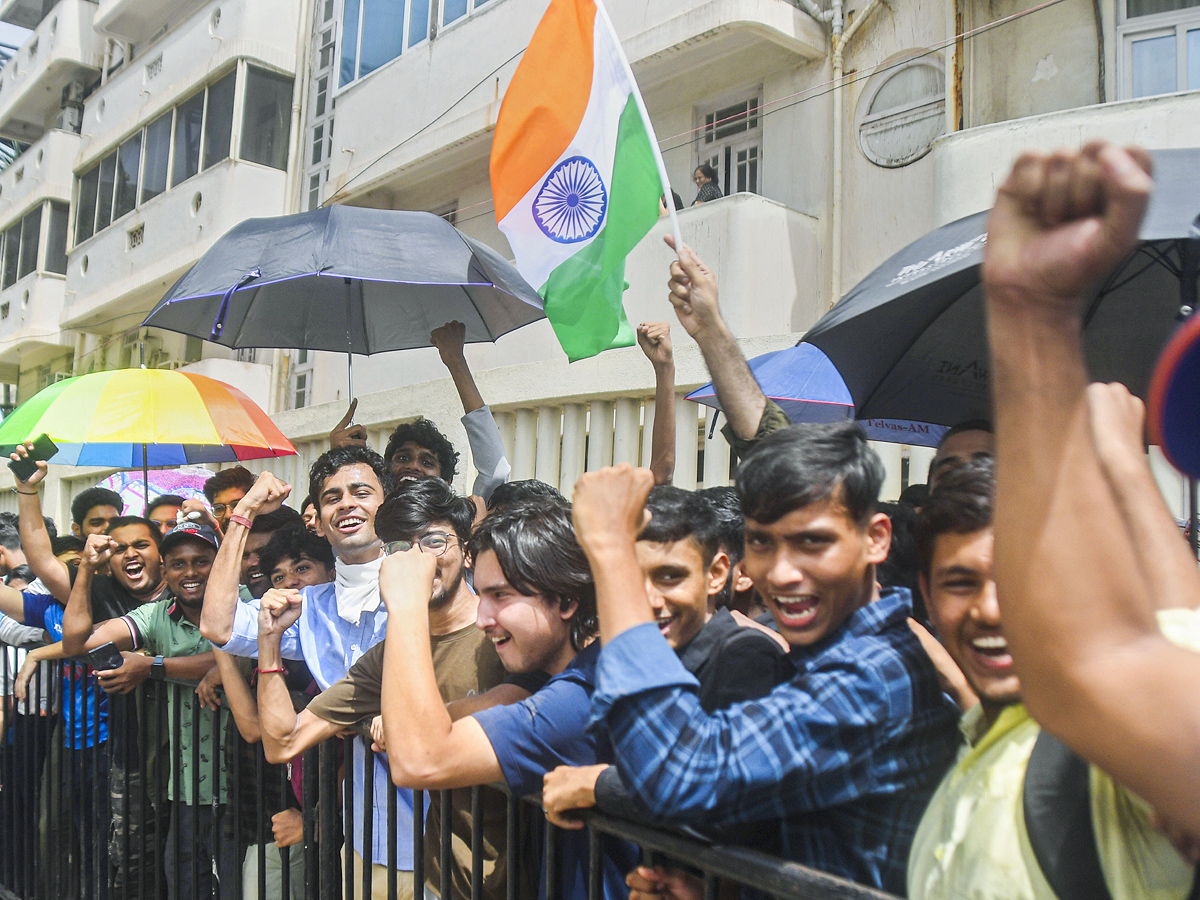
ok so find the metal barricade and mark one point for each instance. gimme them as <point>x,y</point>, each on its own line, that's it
<point>94,805</point>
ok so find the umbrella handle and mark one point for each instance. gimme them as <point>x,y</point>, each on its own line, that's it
<point>219,322</point>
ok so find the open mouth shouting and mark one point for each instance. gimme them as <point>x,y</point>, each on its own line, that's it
<point>796,612</point>
<point>991,652</point>
<point>663,621</point>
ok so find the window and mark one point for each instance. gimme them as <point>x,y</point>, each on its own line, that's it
<point>1160,47</point>
<point>902,111</point>
<point>300,388</point>
<point>128,159</point>
<point>85,210</point>
<point>218,120</point>
<point>318,144</point>
<point>731,142</point>
<point>31,230</point>
<point>12,252</point>
<point>374,32</point>
<point>56,239</point>
<point>108,171</point>
<point>158,152</point>
<point>322,95</point>
<point>453,10</point>
<point>189,116</point>
<point>21,240</point>
<point>170,149</point>
<point>266,117</point>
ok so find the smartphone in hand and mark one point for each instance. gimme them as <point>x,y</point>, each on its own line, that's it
<point>105,657</point>
<point>43,449</point>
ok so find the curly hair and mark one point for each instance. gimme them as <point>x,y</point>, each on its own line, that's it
<point>424,433</point>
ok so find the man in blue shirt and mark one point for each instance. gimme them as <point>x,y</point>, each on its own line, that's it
<point>847,751</point>
<point>536,605</point>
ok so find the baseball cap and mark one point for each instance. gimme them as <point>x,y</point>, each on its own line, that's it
<point>189,530</point>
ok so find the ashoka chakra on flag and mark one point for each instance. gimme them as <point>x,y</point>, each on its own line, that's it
<point>570,205</point>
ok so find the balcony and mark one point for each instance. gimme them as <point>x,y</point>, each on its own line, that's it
<point>29,330</point>
<point>42,172</point>
<point>137,20</point>
<point>63,48</point>
<point>969,165</point>
<point>24,13</point>
<point>124,269</point>
<point>673,45</point>
<point>174,66</point>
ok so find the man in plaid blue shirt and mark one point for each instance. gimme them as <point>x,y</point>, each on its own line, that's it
<point>847,752</point>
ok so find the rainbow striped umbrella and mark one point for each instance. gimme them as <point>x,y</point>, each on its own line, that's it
<point>135,418</point>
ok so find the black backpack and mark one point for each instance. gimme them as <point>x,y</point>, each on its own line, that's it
<point>1058,819</point>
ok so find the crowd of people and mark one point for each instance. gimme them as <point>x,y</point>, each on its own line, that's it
<point>980,691</point>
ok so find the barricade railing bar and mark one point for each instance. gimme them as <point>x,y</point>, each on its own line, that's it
<point>147,795</point>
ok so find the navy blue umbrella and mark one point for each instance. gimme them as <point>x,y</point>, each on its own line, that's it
<point>346,279</point>
<point>808,388</point>
<point>911,338</point>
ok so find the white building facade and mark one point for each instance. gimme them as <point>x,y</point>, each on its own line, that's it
<point>841,130</point>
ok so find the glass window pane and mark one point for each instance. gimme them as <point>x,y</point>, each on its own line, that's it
<point>418,22</point>
<point>158,150</point>
<point>1193,59</point>
<point>453,10</point>
<point>382,33</point>
<point>1150,7</point>
<point>349,42</point>
<point>128,158</point>
<point>218,120</point>
<point>1154,66</point>
<point>322,95</point>
<point>85,215</point>
<point>189,116</point>
<point>318,143</point>
<point>31,229</point>
<point>266,118</point>
<point>108,173</point>
<point>12,251</point>
<point>56,239</point>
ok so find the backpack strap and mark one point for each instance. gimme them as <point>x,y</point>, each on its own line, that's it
<point>1058,819</point>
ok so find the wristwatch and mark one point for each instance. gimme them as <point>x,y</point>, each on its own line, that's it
<point>158,669</point>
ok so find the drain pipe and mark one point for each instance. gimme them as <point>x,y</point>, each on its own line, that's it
<point>840,37</point>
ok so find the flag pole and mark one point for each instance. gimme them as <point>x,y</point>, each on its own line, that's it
<point>668,194</point>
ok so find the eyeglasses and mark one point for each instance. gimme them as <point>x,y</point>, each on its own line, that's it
<point>219,509</point>
<point>435,542</point>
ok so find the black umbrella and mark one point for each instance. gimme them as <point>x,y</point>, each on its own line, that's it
<point>910,339</point>
<point>347,279</point>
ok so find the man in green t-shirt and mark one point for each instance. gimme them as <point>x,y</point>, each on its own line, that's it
<point>169,630</point>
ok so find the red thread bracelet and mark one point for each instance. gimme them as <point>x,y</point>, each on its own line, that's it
<point>241,520</point>
<point>269,671</point>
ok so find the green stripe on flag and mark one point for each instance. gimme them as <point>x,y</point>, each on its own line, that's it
<point>583,295</point>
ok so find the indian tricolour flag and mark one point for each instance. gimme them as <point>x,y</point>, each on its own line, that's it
<point>576,174</point>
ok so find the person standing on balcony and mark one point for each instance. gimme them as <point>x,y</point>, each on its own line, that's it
<point>418,448</point>
<point>708,189</point>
